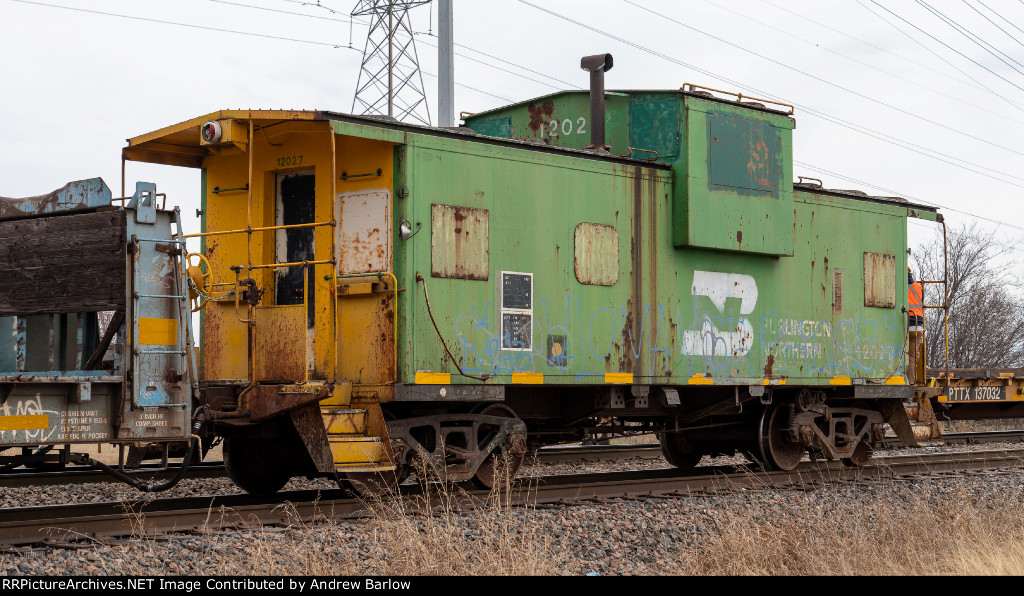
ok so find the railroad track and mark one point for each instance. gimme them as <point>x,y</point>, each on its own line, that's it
<point>63,523</point>
<point>563,454</point>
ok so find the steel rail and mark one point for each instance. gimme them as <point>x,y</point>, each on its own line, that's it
<point>32,525</point>
<point>22,477</point>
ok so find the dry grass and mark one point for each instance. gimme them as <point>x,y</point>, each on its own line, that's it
<point>965,426</point>
<point>426,534</point>
<point>429,535</point>
<point>937,533</point>
<point>909,529</point>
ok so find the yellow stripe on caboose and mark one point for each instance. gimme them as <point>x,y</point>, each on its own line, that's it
<point>700,379</point>
<point>618,378</point>
<point>433,378</point>
<point>528,378</point>
<point>158,332</point>
<point>40,422</point>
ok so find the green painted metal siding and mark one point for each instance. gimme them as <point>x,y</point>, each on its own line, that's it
<point>534,203</point>
<point>737,161</point>
<point>739,179</point>
<point>560,120</point>
<point>672,313</point>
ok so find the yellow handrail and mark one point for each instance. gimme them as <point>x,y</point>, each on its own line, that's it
<point>739,96</point>
<point>261,229</point>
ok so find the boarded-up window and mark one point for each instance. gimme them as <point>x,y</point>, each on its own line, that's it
<point>879,280</point>
<point>744,156</point>
<point>597,254</point>
<point>458,242</point>
<point>365,232</point>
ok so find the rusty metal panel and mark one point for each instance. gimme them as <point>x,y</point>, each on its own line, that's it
<point>459,246</point>
<point>73,196</point>
<point>280,336</point>
<point>654,126</point>
<point>597,254</point>
<point>743,155</point>
<point>366,325</point>
<point>359,450</point>
<point>879,280</point>
<point>39,413</point>
<point>310,426</point>
<point>365,232</point>
<point>267,401</point>
<point>344,421</point>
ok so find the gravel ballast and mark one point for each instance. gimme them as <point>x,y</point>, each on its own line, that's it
<point>619,536</point>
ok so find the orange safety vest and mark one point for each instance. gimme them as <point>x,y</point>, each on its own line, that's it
<point>915,299</point>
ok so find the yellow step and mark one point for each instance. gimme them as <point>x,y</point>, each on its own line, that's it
<point>342,395</point>
<point>358,450</point>
<point>364,468</point>
<point>341,421</point>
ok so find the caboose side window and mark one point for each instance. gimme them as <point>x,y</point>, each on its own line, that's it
<point>515,304</point>
<point>295,205</point>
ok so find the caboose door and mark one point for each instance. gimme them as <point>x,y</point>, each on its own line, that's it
<point>366,308</point>
<point>284,324</point>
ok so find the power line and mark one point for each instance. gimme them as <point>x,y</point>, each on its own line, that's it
<point>815,77</point>
<point>936,54</point>
<point>869,44</point>
<point>1002,17</point>
<point>994,24</point>
<point>298,14</point>
<point>366,24</point>
<point>958,52</point>
<point>862,63</point>
<point>904,195</point>
<point>995,52</point>
<point>163,22</point>
<point>708,73</point>
<point>811,111</point>
<point>235,32</point>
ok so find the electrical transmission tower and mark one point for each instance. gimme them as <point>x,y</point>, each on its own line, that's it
<point>390,82</point>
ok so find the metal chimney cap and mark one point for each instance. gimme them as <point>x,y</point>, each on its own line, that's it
<point>601,62</point>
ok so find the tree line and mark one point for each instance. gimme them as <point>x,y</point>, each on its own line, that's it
<point>986,310</point>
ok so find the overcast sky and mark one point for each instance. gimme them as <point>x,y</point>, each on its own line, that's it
<point>917,98</point>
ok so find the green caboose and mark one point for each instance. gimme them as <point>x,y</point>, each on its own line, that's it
<point>380,292</point>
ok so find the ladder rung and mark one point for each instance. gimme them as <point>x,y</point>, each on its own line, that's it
<point>168,296</point>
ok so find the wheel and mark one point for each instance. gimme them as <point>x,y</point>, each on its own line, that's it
<point>251,465</point>
<point>776,451</point>
<point>860,456</point>
<point>679,451</point>
<point>501,466</point>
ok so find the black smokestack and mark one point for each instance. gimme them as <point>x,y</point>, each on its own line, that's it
<point>597,65</point>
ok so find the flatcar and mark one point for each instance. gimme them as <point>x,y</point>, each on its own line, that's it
<point>372,295</point>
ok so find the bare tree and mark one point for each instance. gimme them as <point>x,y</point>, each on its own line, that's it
<point>986,313</point>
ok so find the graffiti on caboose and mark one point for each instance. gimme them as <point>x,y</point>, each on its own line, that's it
<point>721,335</point>
<point>707,339</point>
<point>32,406</point>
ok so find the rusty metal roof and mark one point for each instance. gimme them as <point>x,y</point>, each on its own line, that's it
<point>179,144</point>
